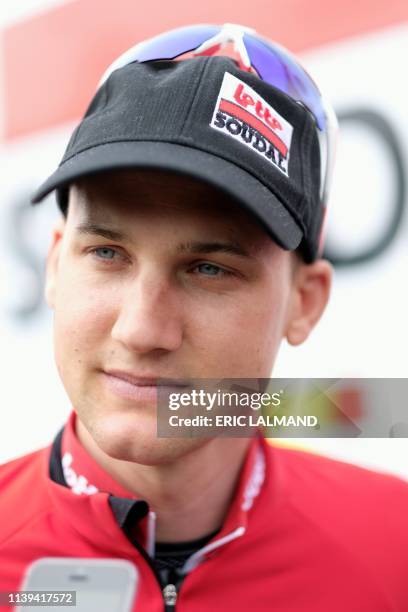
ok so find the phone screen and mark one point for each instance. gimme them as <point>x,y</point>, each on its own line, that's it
<point>103,585</point>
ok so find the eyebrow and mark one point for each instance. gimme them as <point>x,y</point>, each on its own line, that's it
<point>94,229</point>
<point>229,247</point>
<point>232,248</point>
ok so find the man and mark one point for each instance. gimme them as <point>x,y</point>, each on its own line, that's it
<point>189,248</point>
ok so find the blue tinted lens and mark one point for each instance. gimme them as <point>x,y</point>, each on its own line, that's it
<point>280,70</point>
<point>176,42</point>
<point>271,62</point>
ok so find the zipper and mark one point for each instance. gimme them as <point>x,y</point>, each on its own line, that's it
<point>169,594</point>
<point>166,594</point>
<point>171,590</point>
<point>170,597</point>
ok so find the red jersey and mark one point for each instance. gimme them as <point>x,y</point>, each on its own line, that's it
<point>304,533</point>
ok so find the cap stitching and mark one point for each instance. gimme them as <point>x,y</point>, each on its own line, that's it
<point>312,220</point>
<point>316,220</point>
<point>303,173</point>
<point>200,77</point>
<point>79,127</point>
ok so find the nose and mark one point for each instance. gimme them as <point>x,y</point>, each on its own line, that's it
<point>150,316</point>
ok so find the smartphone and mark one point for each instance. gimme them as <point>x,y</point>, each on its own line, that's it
<point>103,585</point>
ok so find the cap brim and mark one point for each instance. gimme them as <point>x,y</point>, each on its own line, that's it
<point>216,171</point>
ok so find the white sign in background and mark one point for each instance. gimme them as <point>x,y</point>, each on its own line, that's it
<point>364,331</point>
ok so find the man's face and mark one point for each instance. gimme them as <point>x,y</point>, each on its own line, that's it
<point>158,275</point>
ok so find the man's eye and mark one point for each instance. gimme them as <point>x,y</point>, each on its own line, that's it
<point>105,253</point>
<point>212,270</point>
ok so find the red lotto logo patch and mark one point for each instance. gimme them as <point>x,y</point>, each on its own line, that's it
<point>242,114</point>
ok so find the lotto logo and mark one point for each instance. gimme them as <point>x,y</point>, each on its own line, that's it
<point>77,483</point>
<point>241,113</point>
<point>261,109</point>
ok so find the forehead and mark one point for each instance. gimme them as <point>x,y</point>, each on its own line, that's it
<point>122,195</point>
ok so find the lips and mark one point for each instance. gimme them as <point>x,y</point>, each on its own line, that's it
<point>147,380</point>
<point>139,390</point>
<point>139,381</point>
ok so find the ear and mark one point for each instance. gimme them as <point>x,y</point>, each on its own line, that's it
<point>51,267</point>
<point>310,294</point>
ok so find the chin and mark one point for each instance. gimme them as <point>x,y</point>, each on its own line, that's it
<point>161,451</point>
<point>130,437</point>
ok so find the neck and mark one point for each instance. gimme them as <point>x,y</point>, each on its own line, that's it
<point>190,497</point>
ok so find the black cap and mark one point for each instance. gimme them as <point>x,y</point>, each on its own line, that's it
<point>207,118</point>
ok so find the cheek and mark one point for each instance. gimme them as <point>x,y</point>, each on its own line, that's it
<point>240,338</point>
<point>82,318</point>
